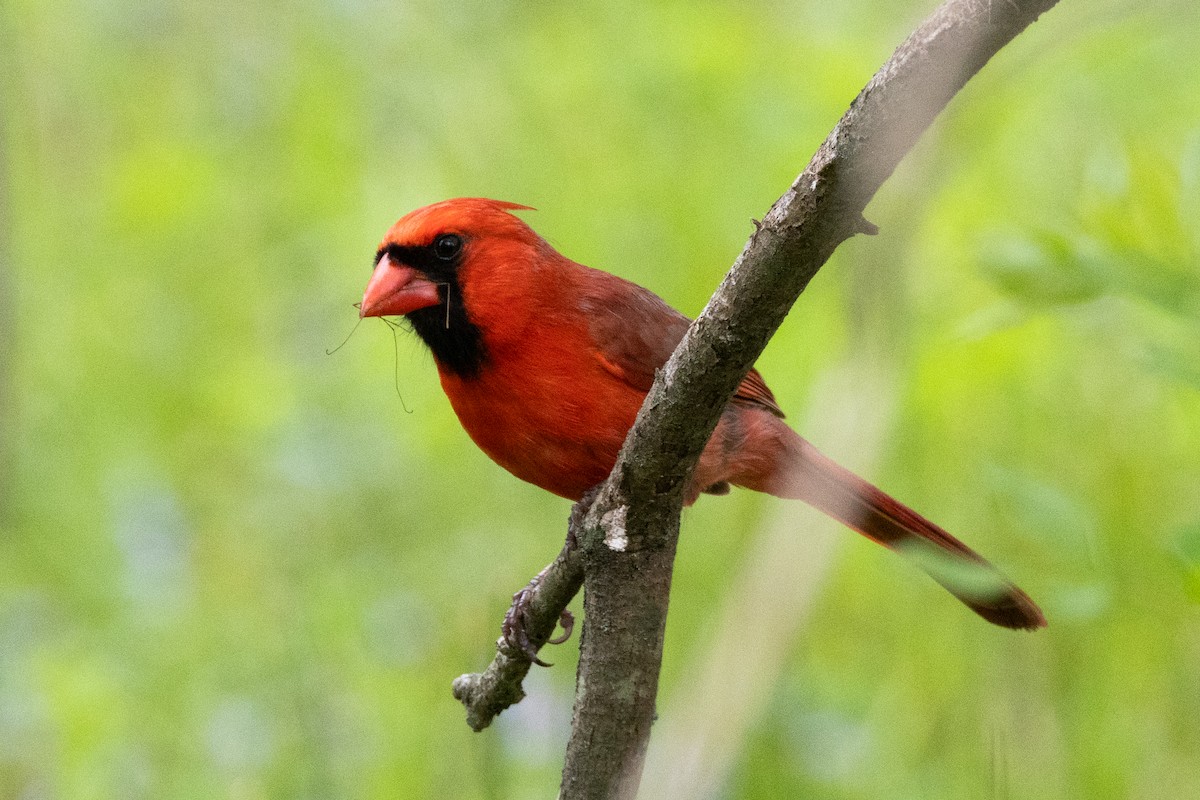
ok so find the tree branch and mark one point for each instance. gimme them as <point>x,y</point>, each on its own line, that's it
<point>627,537</point>
<point>629,534</point>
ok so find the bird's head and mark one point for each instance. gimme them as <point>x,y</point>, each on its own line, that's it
<point>433,248</point>
<point>439,261</point>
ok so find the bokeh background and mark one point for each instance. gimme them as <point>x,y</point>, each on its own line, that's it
<point>234,566</point>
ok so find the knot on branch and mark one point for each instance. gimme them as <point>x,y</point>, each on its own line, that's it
<point>486,694</point>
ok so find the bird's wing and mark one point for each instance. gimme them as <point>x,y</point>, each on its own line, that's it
<point>753,390</point>
<point>635,332</point>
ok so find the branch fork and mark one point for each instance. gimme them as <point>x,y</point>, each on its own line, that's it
<point>626,538</point>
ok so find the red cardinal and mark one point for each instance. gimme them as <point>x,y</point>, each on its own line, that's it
<point>546,362</point>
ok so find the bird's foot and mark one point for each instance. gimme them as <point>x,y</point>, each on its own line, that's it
<point>518,620</point>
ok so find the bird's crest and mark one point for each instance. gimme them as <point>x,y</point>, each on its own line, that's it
<point>478,215</point>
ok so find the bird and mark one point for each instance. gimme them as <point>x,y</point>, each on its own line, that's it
<point>546,363</point>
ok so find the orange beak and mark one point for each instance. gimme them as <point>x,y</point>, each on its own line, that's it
<point>395,290</point>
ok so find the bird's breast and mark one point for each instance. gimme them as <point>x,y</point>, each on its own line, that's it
<point>547,417</point>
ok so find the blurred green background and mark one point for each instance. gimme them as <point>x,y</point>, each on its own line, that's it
<point>233,566</point>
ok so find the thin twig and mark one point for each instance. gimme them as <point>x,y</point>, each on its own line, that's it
<point>485,694</point>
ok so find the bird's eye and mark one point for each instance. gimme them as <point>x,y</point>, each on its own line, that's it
<point>446,247</point>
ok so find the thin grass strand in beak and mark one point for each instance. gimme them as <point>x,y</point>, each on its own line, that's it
<point>395,326</point>
<point>329,352</point>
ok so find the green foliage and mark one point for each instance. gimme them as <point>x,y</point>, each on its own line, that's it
<point>234,566</point>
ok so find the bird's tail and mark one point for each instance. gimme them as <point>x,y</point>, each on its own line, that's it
<point>802,472</point>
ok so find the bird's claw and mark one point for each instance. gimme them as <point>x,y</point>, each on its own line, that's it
<point>514,632</point>
<point>566,621</point>
<point>515,629</point>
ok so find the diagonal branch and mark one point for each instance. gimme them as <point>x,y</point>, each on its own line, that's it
<point>627,538</point>
<point>630,532</point>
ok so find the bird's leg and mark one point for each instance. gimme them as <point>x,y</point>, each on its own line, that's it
<point>523,629</point>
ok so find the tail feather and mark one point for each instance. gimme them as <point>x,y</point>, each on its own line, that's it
<point>816,479</point>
